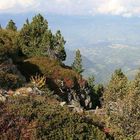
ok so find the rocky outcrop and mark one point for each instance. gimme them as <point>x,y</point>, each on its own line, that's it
<point>24,91</point>
<point>8,66</point>
<point>76,96</point>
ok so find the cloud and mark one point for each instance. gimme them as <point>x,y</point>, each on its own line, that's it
<point>125,8</point>
<point>16,6</point>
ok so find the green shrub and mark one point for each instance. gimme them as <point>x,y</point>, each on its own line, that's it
<point>42,118</point>
<point>9,80</point>
<point>46,66</point>
<point>8,43</point>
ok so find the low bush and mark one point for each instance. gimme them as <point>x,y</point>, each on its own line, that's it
<point>52,68</point>
<point>9,80</point>
<point>43,118</point>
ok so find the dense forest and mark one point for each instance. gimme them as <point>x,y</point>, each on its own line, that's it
<point>42,98</point>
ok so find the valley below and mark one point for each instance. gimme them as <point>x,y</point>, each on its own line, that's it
<point>102,59</point>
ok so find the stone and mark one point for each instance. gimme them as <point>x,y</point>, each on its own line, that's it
<point>16,93</point>
<point>82,96</point>
<point>87,101</point>
<point>75,103</point>
<point>22,91</point>
<point>62,103</point>
<point>2,98</point>
<point>3,92</point>
<point>29,90</point>
<point>90,105</point>
<point>37,91</point>
<point>78,110</point>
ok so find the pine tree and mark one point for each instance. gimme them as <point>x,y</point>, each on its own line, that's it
<point>77,64</point>
<point>59,46</point>
<point>37,40</point>
<point>11,26</point>
<point>91,81</point>
<point>132,109</point>
<point>123,113</point>
<point>0,26</point>
<point>117,87</point>
<point>115,91</point>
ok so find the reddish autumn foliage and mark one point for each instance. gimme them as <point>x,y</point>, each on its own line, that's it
<point>82,82</point>
<point>106,130</point>
<point>68,82</point>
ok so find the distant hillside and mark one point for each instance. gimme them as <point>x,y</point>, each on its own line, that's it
<point>102,59</point>
<point>70,58</point>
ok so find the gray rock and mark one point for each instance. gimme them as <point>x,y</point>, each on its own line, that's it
<point>62,103</point>
<point>2,98</point>
<point>29,90</point>
<point>17,93</point>
<point>83,96</point>
<point>75,103</point>
<point>37,91</point>
<point>90,105</point>
<point>87,101</point>
<point>78,109</point>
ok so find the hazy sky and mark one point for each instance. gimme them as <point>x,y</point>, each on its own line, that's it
<point>125,8</point>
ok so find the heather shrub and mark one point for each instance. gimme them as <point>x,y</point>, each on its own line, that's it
<point>46,66</point>
<point>37,117</point>
<point>9,80</point>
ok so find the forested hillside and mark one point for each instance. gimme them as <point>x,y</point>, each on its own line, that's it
<point>42,98</point>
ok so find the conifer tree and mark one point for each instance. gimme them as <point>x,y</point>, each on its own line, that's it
<point>117,86</point>
<point>77,64</point>
<point>132,109</point>
<point>11,26</point>
<point>37,40</point>
<point>59,46</point>
<point>116,90</point>
<point>123,116</point>
<point>91,81</point>
<point>31,35</point>
<point>135,94</point>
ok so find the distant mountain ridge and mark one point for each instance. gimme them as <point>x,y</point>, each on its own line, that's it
<point>102,60</point>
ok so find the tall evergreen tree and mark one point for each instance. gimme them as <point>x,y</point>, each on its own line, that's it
<point>117,86</point>
<point>59,46</point>
<point>37,40</point>
<point>116,90</point>
<point>11,26</point>
<point>0,26</point>
<point>91,81</point>
<point>123,114</point>
<point>133,107</point>
<point>31,35</point>
<point>77,64</point>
